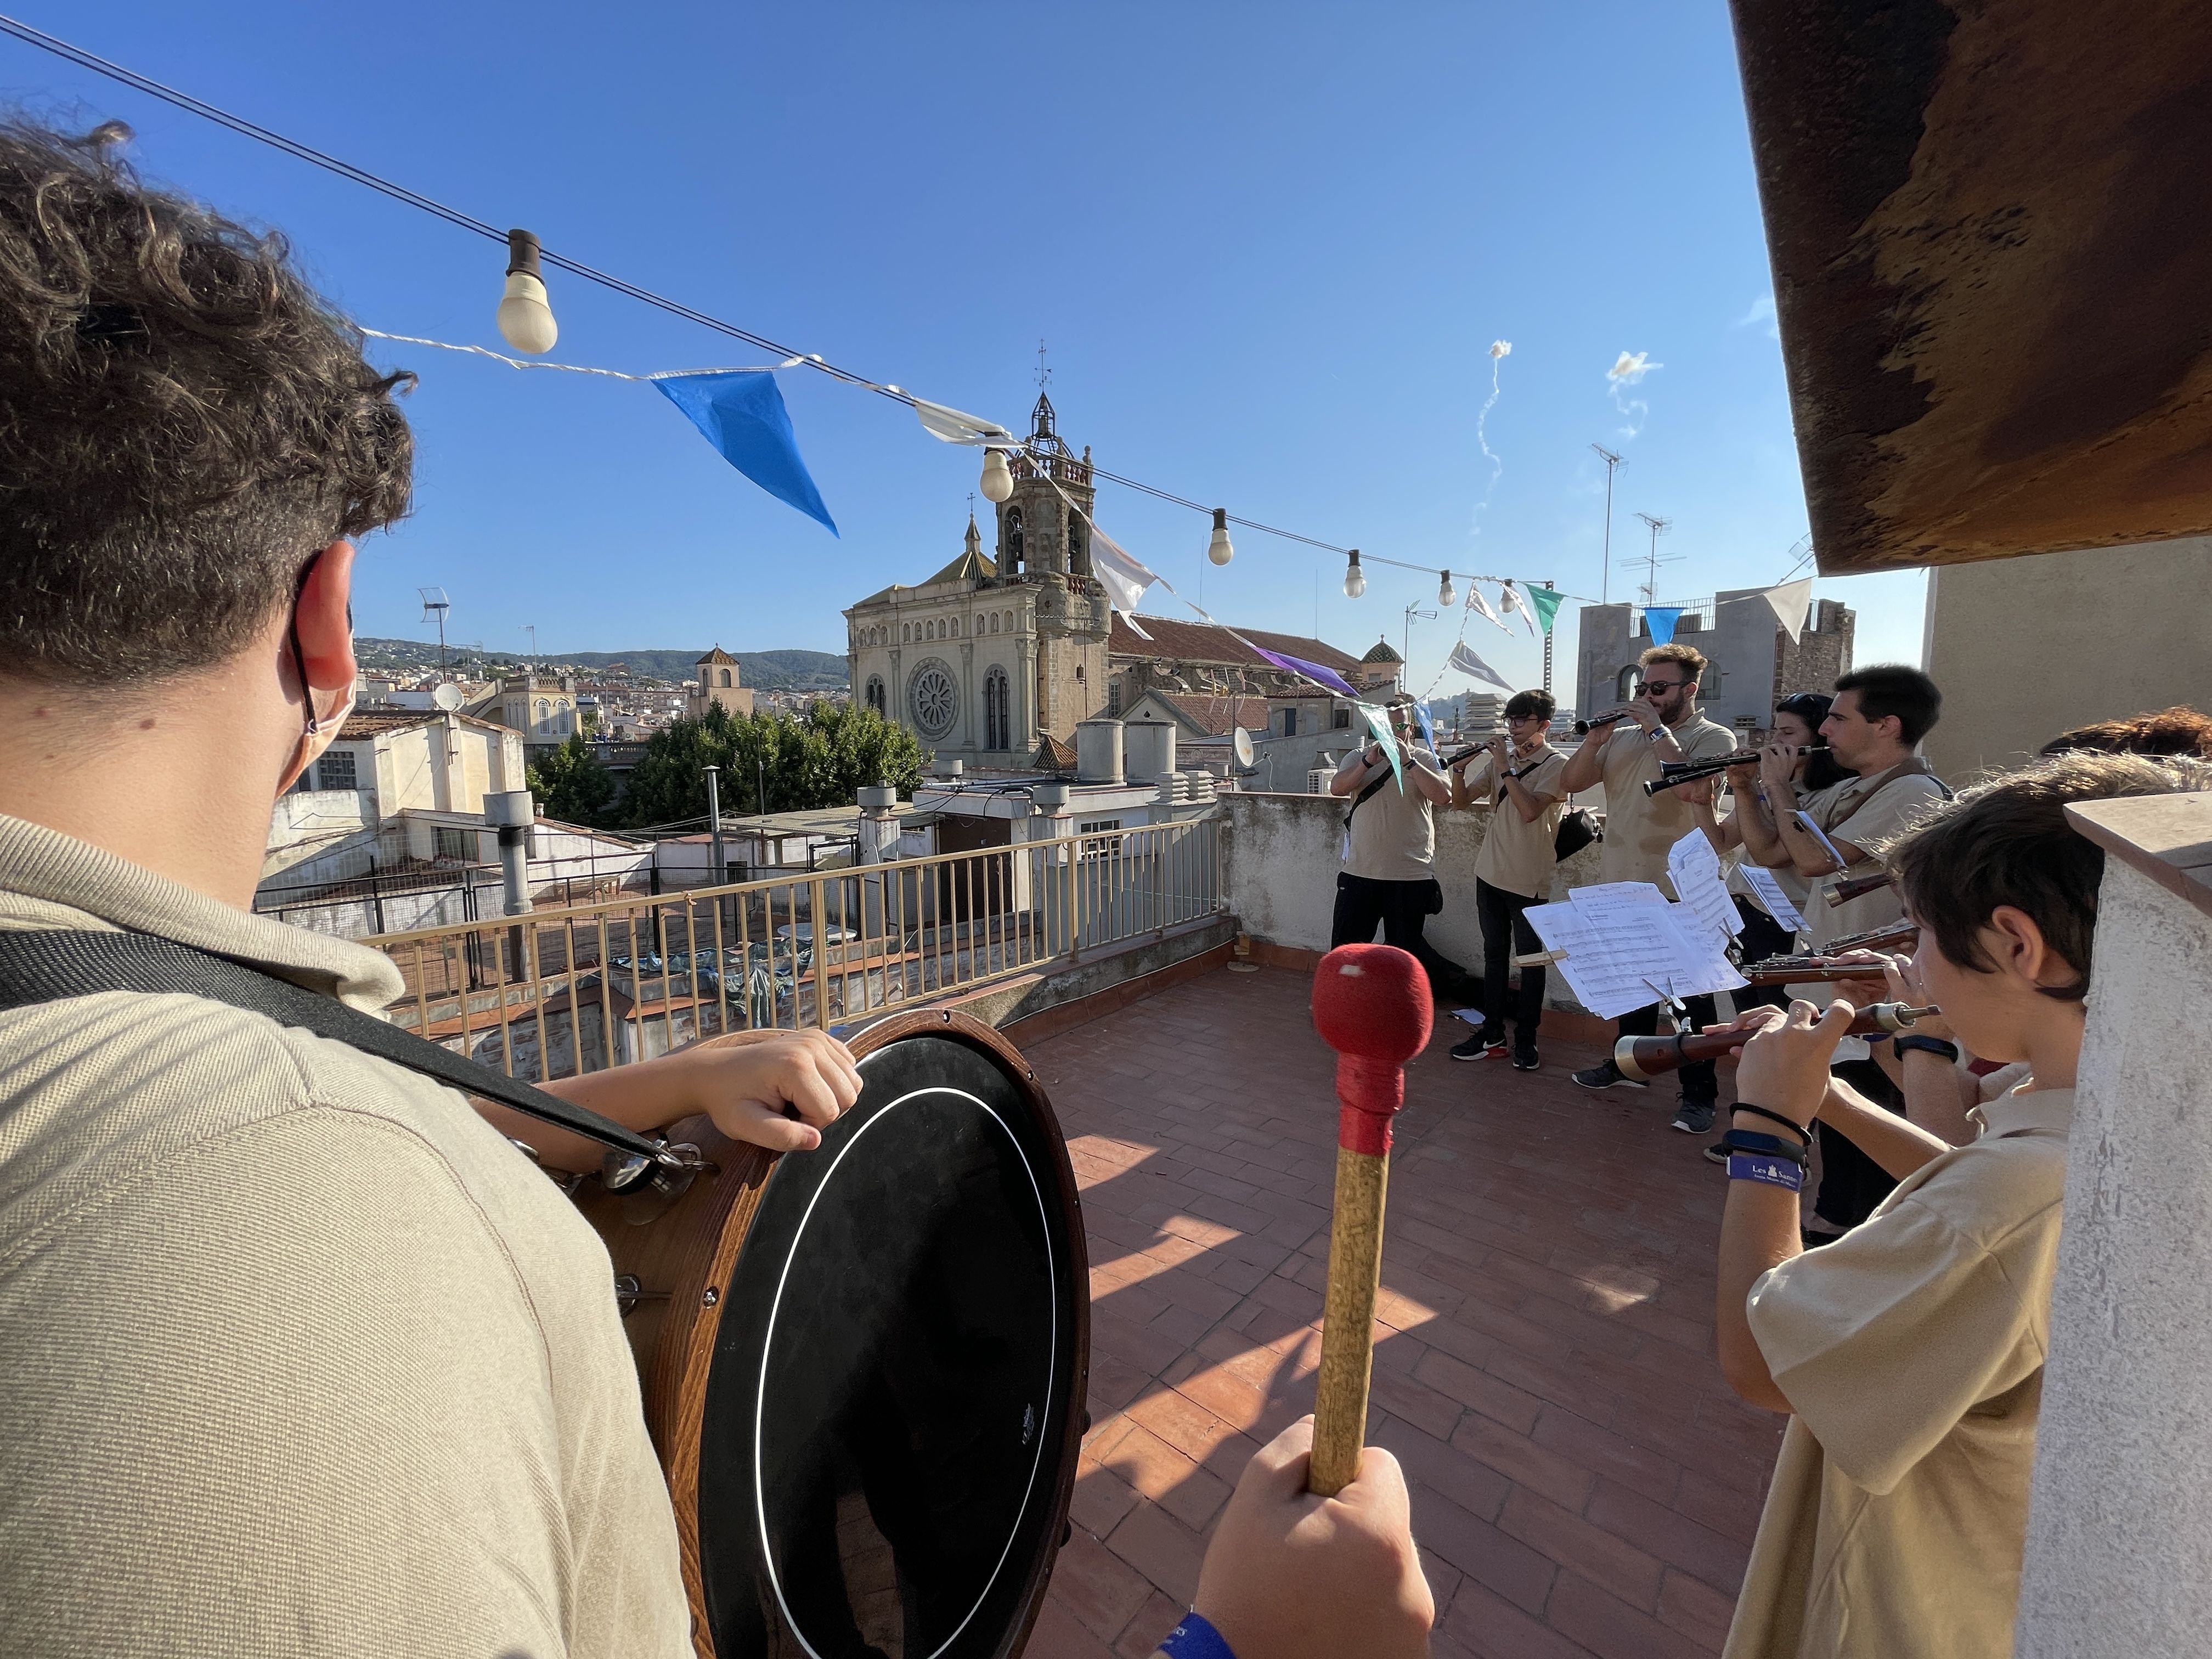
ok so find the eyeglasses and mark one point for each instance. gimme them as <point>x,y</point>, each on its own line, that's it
<point>1650,686</point>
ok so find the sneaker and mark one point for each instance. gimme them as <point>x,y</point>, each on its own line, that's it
<point>1479,1047</point>
<point>1716,1153</point>
<point>1696,1118</point>
<point>1607,1075</point>
<point>1524,1060</point>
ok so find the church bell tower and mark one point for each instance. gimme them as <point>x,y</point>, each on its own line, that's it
<point>1044,539</point>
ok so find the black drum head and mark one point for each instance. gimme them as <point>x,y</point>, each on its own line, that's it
<point>883,1467</point>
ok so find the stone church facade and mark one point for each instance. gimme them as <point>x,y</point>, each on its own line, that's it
<point>996,651</point>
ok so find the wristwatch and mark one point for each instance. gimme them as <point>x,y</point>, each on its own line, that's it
<point>1926,1044</point>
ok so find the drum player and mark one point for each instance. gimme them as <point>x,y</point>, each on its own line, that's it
<point>301,1357</point>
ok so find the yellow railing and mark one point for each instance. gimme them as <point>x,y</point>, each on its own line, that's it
<point>585,987</point>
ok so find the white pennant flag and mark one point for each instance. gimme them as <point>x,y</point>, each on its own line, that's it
<point>1791,601</point>
<point>1473,667</point>
<point>1124,579</point>
<point>1476,602</point>
<point>955,427</point>
<point>1509,601</point>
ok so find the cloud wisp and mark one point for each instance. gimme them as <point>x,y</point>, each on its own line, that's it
<point>1761,316</point>
<point>1499,350</point>
<point>1628,370</point>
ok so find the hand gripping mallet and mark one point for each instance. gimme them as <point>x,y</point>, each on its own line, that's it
<point>1371,1004</point>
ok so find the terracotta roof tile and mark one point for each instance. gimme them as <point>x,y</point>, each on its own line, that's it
<point>1209,642</point>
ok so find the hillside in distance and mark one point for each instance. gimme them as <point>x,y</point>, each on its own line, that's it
<point>766,671</point>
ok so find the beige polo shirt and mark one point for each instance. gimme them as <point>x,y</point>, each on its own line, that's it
<point>302,1359</point>
<point>1393,835</point>
<point>1516,854</point>
<point>1640,827</point>
<point>1867,813</point>
<point>1911,1353</point>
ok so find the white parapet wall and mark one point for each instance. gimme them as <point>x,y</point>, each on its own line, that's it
<point>2120,1523</point>
<point>1282,858</point>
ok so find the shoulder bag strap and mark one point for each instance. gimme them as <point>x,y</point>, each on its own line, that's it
<point>53,965</point>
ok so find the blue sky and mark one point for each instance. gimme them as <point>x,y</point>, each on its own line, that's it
<point>1268,247</point>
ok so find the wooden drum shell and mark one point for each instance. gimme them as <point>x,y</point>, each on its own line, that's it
<point>683,1254</point>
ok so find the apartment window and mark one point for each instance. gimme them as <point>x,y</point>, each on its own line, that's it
<point>1340,720</point>
<point>337,770</point>
<point>456,844</point>
<point>1289,722</point>
<point>1099,841</point>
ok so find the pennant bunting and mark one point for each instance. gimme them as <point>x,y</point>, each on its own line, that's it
<point>1123,578</point>
<point>1509,601</point>
<point>1473,667</point>
<point>741,413</point>
<point>1661,619</point>
<point>1546,602</point>
<point>1477,602</point>
<point>1320,676</point>
<point>1380,726</point>
<point>1791,600</point>
<point>1428,726</point>
<point>952,426</point>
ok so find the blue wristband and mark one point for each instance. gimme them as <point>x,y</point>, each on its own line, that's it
<point>1195,1639</point>
<point>1772,1171</point>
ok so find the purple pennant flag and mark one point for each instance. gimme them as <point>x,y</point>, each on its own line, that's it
<point>1312,671</point>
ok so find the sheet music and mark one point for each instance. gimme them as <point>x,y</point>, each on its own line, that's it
<point>1696,870</point>
<point>1623,940</point>
<point>1768,891</point>
<point>1821,836</point>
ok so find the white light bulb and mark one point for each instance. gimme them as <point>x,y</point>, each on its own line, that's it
<point>1219,549</point>
<point>1355,582</point>
<point>525,316</point>
<point>1446,593</point>
<point>998,477</point>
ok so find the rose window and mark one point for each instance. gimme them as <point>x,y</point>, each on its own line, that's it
<point>935,700</point>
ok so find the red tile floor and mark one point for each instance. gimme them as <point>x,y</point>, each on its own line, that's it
<point>1584,1481</point>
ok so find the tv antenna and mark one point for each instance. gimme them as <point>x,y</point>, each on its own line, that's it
<point>1651,560</point>
<point>434,603</point>
<point>1613,464</point>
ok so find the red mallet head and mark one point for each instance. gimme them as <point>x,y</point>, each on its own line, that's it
<point>1372,1004</point>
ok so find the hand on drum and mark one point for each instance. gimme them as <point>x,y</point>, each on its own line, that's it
<point>1291,1576</point>
<point>775,1089</point>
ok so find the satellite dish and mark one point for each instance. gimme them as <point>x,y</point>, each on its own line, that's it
<point>448,696</point>
<point>1242,744</point>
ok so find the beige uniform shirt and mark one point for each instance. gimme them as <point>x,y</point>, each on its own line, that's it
<point>1516,854</point>
<point>1640,827</point>
<point>1911,1352</point>
<point>301,1357</point>
<point>1866,813</point>
<point>1393,835</point>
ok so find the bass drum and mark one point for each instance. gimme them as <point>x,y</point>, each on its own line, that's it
<point>864,1366</point>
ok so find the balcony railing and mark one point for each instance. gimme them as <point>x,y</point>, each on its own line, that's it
<point>556,993</point>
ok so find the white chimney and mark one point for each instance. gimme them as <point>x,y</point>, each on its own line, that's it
<point>1149,747</point>
<point>1099,751</point>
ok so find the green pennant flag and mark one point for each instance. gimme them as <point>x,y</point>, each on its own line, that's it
<point>1547,601</point>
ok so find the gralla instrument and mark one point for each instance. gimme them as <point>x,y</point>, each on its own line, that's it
<point>1645,1057</point>
<point>864,1367</point>
<point>1858,887</point>
<point>1674,772</point>
<point>1611,717</point>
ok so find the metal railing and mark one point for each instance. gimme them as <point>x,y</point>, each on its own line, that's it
<point>559,992</point>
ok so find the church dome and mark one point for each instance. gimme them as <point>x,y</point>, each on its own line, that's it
<point>1380,652</point>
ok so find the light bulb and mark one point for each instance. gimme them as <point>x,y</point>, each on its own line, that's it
<point>1219,549</point>
<point>1446,593</point>
<point>998,477</point>
<point>1355,582</point>
<point>526,317</point>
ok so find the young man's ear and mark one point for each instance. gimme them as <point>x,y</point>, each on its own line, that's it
<point>2015,944</point>
<point>324,618</point>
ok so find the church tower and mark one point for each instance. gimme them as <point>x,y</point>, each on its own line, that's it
<point>1044,541</point>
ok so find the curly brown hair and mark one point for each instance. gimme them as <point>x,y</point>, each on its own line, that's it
<point>2177,731</point>
<point>183,422</point>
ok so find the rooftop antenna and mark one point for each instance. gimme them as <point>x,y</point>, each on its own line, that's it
<point>531,629</point>
<point>1605,570</point>
<point>434,603</point>
<point>1405,649</point>
<point>1651,560</point>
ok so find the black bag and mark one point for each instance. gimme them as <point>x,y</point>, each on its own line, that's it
<point>1577,830</point>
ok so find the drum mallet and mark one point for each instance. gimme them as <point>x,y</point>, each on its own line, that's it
<point>1372,1004</point>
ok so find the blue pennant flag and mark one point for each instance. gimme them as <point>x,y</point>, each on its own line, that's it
<point>1662,619</point>
<point>741,413</point>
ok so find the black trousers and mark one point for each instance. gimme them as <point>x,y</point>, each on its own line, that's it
<point>1700,1082</point>
<point>1401,909</point>
<point>1762,936</point>
<point>1851,1183</point>
<point>1505,930</point>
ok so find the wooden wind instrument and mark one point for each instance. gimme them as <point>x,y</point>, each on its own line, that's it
<point>1674,772</point>
<point>1372,1004</point>
<point>1645,1057</point>
<point>1807,970</point>
<point>1858,887</point>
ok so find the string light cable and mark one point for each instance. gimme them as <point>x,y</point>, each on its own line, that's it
<point>791,357</point>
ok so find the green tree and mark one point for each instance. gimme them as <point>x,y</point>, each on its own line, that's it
<point>818,759</point>
<point>571,785</point>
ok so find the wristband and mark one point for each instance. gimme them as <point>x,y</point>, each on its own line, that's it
<point>1904,1041</point>
<point>1767,1171</point>
<point>1743,1140</point>
<point>1195,1639</point>
<point>1804,1135</point>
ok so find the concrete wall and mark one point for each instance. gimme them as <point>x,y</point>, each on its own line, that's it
<point>1753,661</point>
<point>2025,648</point>
<point>2122,1506</point>
<point>1281,856</point>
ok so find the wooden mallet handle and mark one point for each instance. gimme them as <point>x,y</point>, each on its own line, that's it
<point>1372,1004</point>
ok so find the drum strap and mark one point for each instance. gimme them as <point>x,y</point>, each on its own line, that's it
<point>52,965</point>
